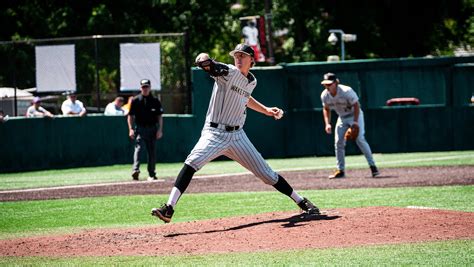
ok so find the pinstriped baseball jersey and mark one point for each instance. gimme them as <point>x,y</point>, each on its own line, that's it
<point>229,98</point>
<point>343,102</point>
<point>228,106</point>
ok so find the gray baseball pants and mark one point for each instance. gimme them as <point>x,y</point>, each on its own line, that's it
<point>340,144</point>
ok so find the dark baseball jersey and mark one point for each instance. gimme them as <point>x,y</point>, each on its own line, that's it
<point>146,110</point>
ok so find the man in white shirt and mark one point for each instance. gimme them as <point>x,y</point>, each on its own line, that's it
<point>35,110</point>
<point>71,106</point>
<point>115,108</point>
<point>345,102</point>
<point>250,33</point>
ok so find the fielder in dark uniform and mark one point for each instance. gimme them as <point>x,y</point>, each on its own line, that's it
<point>145,125</point>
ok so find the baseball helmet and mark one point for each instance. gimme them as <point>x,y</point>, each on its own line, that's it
<point>243,48</point>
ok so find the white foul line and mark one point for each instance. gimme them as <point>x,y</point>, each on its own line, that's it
<point>350,165</point>
<point>238,173</point>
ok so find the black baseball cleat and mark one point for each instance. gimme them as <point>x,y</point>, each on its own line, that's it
<point>135,175</point>
<point>308,207</point>
<point>164,213</point>
<point>374,170</point>
<point>337,174</point>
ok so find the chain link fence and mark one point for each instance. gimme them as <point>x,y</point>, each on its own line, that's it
<point>97,64</point>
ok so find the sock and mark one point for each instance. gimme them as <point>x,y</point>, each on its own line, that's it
<point>283,187</point>
<point>184,178</point>
<point>180,185</point>
<point>174,197</point>
<point>296,197</point>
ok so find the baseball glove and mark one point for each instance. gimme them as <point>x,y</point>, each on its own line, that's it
<point>212,67</point>
<point>352,132</point>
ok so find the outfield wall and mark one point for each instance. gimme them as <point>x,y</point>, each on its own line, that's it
<point>443,121</point>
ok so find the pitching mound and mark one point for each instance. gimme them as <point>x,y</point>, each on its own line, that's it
<point>263,232</point>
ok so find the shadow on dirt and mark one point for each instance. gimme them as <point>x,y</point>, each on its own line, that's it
<point>293,221</point>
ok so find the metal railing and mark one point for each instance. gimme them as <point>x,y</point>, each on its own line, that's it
<point>97,65</point>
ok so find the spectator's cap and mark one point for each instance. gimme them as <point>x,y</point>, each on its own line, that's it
<point>243,48</point>
<point>69,93</point>
<point>329,78</point>
<point>145,82</point>
<point>35,100</point>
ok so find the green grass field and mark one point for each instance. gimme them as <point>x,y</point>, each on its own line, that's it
<point>450,253</point>
<point>121,173</point>
<point>27,218</point>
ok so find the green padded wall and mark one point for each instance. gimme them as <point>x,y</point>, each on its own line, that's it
<point>463,84</point>
<point>37,143</point>
<point>444,121</point>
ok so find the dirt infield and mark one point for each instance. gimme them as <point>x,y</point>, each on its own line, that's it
<point>263,232</point>
<point>300,180</point>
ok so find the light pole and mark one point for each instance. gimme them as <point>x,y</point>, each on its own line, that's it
<point>343,37</point>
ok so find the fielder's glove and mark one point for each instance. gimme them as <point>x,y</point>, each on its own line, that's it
<point>212,67</point>
<point>352,132</point>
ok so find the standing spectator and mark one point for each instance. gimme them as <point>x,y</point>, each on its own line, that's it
<point>345,102</point>
<point>72,106</point>
<point>250,33</point>
<point>145,125</point>
<point>115,107</point>
<point>35,110</point>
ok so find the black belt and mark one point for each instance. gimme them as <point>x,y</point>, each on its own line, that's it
<point>227,128</point>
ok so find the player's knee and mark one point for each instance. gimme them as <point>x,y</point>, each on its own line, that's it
<point>192,163</point>
<point>269,178</point>
<point>360,139</point>
<point>340,144</point>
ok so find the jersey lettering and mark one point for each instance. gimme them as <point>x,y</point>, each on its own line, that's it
<point>240,91</point>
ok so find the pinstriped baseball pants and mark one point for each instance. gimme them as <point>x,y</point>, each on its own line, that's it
<point>234,145</point>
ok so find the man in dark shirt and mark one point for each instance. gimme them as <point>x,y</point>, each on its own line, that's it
<point>145,113</point>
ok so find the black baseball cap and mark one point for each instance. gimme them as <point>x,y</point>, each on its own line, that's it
<point>244,49</point>
<point>145,82</point>
<point>329,78</point>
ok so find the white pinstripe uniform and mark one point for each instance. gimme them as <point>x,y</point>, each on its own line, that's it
<point>227,108</point>
<point>343,104</point>
<point>223,134</point>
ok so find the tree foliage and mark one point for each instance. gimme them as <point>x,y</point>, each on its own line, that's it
<point>386,28</point>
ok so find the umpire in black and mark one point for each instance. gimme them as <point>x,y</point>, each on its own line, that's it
<point>145,125</point>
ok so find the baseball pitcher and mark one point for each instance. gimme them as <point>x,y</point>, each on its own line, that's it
<point>223,132</point>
